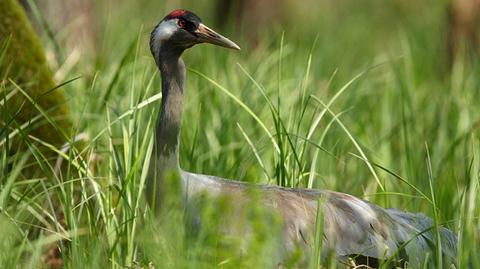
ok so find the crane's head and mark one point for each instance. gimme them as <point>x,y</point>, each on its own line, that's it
<point>180,30</point>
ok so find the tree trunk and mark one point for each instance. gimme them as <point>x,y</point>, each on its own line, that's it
<point>22,63</point>
<point>464,35</point>
<point>248,15</point>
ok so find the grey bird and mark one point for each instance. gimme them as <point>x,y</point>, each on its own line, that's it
<point>354,230</point>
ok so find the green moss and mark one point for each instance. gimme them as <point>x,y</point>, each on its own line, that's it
<point>24,63</point>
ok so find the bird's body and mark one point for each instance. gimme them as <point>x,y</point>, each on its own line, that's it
<point>352,228</point>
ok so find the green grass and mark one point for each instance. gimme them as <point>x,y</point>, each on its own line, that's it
<point>339,101</point>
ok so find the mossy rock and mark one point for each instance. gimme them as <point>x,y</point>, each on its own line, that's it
<point>23,62</point>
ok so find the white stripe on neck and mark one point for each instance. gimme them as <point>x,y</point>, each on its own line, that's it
<point>162,33</point>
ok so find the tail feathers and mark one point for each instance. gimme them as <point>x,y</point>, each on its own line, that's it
<point>418,234</point>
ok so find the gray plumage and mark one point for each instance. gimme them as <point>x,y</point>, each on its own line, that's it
<point>353,229</point>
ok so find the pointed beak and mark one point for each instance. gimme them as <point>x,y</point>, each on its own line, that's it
<point>207,35</point>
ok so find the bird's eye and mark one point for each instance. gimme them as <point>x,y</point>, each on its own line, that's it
<point>181,23</point>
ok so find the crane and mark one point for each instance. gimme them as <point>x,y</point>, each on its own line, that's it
<point>353,229</point>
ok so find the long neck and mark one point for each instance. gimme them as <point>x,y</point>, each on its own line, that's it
<point>172,70</point>
<point>165,158</point>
